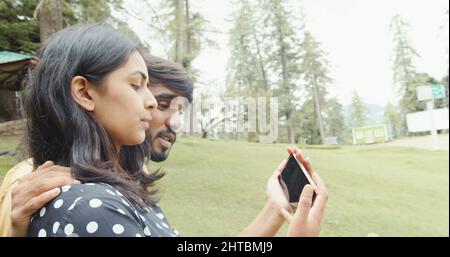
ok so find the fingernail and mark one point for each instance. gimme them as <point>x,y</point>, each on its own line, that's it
<point>56,191</point>
<point>77,182</point>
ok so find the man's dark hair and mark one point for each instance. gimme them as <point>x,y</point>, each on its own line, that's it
<point>170,74</point>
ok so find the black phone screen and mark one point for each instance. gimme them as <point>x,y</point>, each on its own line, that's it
<point>294,179</point>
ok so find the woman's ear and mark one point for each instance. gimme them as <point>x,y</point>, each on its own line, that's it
<point>82,93</point>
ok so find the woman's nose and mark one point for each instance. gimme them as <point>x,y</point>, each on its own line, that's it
<point>150,101</point>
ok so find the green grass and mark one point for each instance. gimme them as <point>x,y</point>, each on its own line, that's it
<point>215,188</point>
<point>6,161</point>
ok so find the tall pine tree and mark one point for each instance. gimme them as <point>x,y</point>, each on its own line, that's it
<point>358,112</point>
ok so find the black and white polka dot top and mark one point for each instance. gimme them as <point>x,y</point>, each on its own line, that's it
<point>97,209</point>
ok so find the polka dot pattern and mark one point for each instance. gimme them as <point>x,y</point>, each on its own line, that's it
<point>68,229</point>
<point>98,209</point>
<point>55,227</point>
<point>118,229</point>
<point>95,203</point>
<point>42,212</point>
<point>147,231</point>
<point>92,227</point>
<point>42,233</point>
<point>58,203</point>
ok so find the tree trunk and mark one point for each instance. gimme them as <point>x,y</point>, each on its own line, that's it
<point>318,111</point>
<point>179,28</point>
<point>261,63</point>
<point>191,120</point>
<point>188,35</point>
<point>290,129</point>
<point>49,14</point>
<point>285,85</point>
<point>187,65</point>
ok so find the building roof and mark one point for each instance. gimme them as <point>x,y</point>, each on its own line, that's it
<point>7,57</point>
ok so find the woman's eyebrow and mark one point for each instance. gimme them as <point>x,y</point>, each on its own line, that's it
<point>143,75</point>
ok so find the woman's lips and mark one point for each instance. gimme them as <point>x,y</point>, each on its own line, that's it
<point>145,124</point>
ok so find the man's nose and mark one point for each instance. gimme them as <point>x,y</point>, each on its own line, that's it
<point>174,122</point>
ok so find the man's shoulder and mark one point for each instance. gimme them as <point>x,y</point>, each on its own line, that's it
<point>20,169</point>
<point>12,175</point>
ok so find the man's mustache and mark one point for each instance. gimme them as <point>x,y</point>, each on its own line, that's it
<point>167,133</point>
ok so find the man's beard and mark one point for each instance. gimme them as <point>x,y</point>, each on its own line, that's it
<point>161,156</point>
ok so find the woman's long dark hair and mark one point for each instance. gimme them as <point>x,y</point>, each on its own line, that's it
<point>62,131</point>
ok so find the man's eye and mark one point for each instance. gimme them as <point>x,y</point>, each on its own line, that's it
<point>180,109</point>
<point>163,106</point>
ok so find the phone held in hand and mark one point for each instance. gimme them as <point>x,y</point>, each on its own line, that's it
<point>293,179</point>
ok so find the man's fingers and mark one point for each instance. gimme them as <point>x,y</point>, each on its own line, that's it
<point>304,204</point>
<point>319,183</point>
<point>39,201</point>
<point>44,166</point>
<point>57,173</point>
<point>60,168</point>
<point>300,157</point>
<point>290,150</point>
<point>286,215</point>
<point>321,199</point>
<point>49,184</point>
<point>298,153</point>
<point>35,183</point>
<point>308,166</point>
<point>49,174</point>
<point>280,168</point>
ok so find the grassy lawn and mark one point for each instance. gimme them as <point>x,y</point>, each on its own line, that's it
<point>215,188</point>
<point>6,161</point>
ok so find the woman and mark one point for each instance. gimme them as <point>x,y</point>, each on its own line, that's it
<point>89,98</point>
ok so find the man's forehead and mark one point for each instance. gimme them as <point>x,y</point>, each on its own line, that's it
<point>162,89</point>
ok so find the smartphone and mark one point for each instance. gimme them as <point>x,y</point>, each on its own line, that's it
<point>293,179</point>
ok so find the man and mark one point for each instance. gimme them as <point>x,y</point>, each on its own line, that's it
<point>172,88</point>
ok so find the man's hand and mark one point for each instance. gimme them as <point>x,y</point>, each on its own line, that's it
<point>274,193</point>
<point>33,191</point>
<point>270,219</point>
<point>306,220</point>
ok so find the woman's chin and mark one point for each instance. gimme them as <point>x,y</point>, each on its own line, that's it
<point>139,139</point>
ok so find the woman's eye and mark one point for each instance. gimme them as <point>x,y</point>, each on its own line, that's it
<point>136,87</point>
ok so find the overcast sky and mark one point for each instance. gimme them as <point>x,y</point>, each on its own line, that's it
<point>354,33</point>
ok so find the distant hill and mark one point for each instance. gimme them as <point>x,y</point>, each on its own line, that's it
<point>375,113</point>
